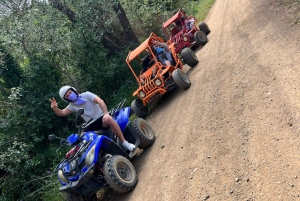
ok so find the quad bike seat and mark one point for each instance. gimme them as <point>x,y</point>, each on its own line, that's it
<point>106,132</point>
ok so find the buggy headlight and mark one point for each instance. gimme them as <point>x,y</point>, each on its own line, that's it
<point>142,94</point>
<point>185,39</point>
<point>61,176</point>
<point>90,156</point>
<point>157,82</point>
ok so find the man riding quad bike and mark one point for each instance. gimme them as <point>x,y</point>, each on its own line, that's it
<point>98,159</point>
<point>181,30</point>
<point>161,71</point>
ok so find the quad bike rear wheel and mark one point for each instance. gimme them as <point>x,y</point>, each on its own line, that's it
<point>120,174</point>
<point>200,38</point>
<point>189,57</point>
<point>139,109</point>
<point>203,27</point>
<point>143,129</point>
<point>181,79</point>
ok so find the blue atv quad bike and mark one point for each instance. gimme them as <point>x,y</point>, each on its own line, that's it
<point>98,158</point>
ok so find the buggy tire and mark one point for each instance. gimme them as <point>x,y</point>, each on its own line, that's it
<point>120,174</point>
<point>139,109</point>
<point>203,27</point>
<point>181,79</point>
<point>144,131</point>
<point>72,196</point>
<point>189,57</point>
<point>200,38</point>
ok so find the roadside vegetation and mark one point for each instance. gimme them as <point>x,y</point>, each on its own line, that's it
<point>47,44</point>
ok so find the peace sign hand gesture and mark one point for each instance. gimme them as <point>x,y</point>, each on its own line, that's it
<point>54,105</point>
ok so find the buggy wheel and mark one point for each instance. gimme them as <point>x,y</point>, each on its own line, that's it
<point>203,27</point>
<point>189,57</point>
<point>200,38</point>
<point>139,109</point>
<point>72,196</point>
<point>181,79</point>
<point>144,131</point>
<point>120,174</point>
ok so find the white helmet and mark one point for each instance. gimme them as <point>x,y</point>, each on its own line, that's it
<point>63,91</point>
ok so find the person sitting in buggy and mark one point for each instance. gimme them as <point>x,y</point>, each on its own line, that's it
<point>163,55</point>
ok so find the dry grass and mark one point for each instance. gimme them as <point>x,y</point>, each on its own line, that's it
<point>204,7</point>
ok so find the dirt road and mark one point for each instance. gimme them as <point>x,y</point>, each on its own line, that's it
<point>234,134</point>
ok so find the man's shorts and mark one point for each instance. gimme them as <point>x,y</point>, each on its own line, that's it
<point>96,125</point>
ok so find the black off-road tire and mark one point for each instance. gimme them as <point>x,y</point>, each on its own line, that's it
<point>203,27</point>
<point>72,197</point>
<point>120,174</point>
<point>143,129</point>
<point>200,38</point>
<point>181,79</point>
<point>189,57</point>
<point>139,109</point>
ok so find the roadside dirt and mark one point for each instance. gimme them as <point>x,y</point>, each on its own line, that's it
<point>234,134</point>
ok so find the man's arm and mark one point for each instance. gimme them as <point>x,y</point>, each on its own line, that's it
<point>57,111</point>
<point>62,113</point>
<point>102,105</point>
<point>163,45</point>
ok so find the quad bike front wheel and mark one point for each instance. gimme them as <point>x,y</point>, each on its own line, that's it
<point>200,38</point>
<point>181,79</point>
<point>189,57</point>
<point>139,109</point>
<point>144,131</point>
<point>120,174</point>
<point>203,27</point>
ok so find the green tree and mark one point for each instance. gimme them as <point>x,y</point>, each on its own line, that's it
<point>25,153</point>
<point>10,75</point>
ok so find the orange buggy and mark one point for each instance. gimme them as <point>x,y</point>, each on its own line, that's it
<point>166,78</point>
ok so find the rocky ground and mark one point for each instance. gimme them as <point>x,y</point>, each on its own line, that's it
<point>234,134</point>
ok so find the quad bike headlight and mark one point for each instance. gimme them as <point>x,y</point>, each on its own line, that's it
<point>142,94</point>
<point>185,39</point>
<point>157,82</point>
<point>90,156</point>
<point>61,176</point>
<point>73,164</point>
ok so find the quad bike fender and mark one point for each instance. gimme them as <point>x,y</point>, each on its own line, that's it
<point>107,145</point>
<point>116,148</point>
<point>122,117</point>
<point>98,142</point>
<point>131,136</point>
<point>66,169</point>
<point>84,180</point>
